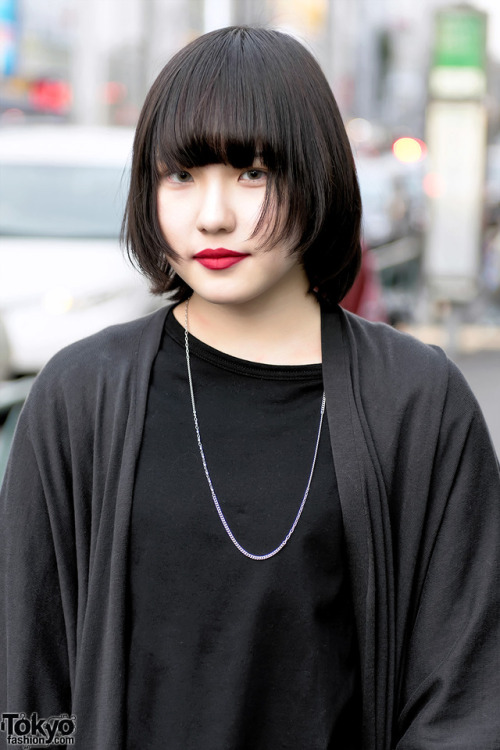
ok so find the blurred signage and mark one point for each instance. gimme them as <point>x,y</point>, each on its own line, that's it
<point>456,138</point>
<point>460,38</point>
<point>8,34</point>
<point>459,64</point>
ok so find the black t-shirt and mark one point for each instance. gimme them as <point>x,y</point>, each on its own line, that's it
<point>225,652</point>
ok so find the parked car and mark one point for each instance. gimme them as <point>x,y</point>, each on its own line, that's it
<point>12,397</point>
<point>62,273</point>
<point>365,298</point>
<point>4,352</point>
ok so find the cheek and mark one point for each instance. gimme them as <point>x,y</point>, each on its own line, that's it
<point>279,261</point>
<point>251,206</point>
<point>170,218</point>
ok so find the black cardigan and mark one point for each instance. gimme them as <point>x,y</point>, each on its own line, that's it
<point>419,486</point>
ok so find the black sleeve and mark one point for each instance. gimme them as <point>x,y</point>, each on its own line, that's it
<point>34,674</point>
<point>451,686</point>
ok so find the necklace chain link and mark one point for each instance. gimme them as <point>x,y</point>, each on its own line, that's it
<point>207,474</point>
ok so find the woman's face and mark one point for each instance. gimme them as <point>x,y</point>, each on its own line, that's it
<point>207,215</point>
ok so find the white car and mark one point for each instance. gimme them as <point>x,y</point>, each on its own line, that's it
<point>63,275</point>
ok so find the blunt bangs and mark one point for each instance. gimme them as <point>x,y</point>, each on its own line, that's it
<point>232,96</point>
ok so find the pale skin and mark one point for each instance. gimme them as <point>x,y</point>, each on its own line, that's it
<point>258,309</point>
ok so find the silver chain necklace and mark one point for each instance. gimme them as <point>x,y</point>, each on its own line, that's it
<point>205,467</point>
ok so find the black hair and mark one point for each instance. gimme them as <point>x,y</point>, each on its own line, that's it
<point>227,97</point>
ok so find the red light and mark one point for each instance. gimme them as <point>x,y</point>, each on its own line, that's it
<point>51,96</point>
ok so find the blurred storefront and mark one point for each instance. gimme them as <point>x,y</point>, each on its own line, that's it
<point>95,59</point>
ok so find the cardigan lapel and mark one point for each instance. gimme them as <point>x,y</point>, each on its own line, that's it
<point>366,525</point>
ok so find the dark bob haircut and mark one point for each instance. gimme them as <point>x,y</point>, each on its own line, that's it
<point>227,97</point>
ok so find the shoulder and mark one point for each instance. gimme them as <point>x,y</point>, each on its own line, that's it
<point>109,358</point>
<point>412,407</point>
<point>391,349</point>
<point>396,363</point>
<point>399,381</point>
<point>113,347</point>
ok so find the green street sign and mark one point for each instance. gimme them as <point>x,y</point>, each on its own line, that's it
<point>460,38</point>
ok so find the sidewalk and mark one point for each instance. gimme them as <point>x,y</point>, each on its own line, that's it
<point>470,338</point>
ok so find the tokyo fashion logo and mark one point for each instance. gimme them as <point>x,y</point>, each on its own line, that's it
<point>36,731</point>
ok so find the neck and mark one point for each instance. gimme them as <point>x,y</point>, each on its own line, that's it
<point>277,332</point>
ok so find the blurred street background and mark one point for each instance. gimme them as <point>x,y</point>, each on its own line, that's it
<point>418,85</point>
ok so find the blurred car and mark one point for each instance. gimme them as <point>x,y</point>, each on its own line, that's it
<point>62,273</point>
<point>4,352</point>
<point>392,196</point>
<point>365,298</point>
<point>12,397</point>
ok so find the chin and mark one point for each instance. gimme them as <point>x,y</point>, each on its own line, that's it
<point>228,298</point>
<point>225,292</point>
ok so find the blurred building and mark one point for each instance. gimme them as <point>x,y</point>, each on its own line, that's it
<point>93,60</point>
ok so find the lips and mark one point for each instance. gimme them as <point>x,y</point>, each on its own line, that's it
<point>219,258</point>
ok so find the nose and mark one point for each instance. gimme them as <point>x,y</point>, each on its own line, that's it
<point>215,211</point>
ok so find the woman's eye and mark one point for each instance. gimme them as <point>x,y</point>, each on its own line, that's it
<point>179,177</point>
<point>255,175</point>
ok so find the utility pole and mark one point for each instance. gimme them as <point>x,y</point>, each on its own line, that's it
<point>456,138</point>
<point>89,64</point>
<point>216,14</point>
<point>165,31</point>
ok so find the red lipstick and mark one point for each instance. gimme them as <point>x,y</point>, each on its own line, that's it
<point>219,258</point>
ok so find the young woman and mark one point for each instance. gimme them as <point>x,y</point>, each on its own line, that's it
<point>252,520</point>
